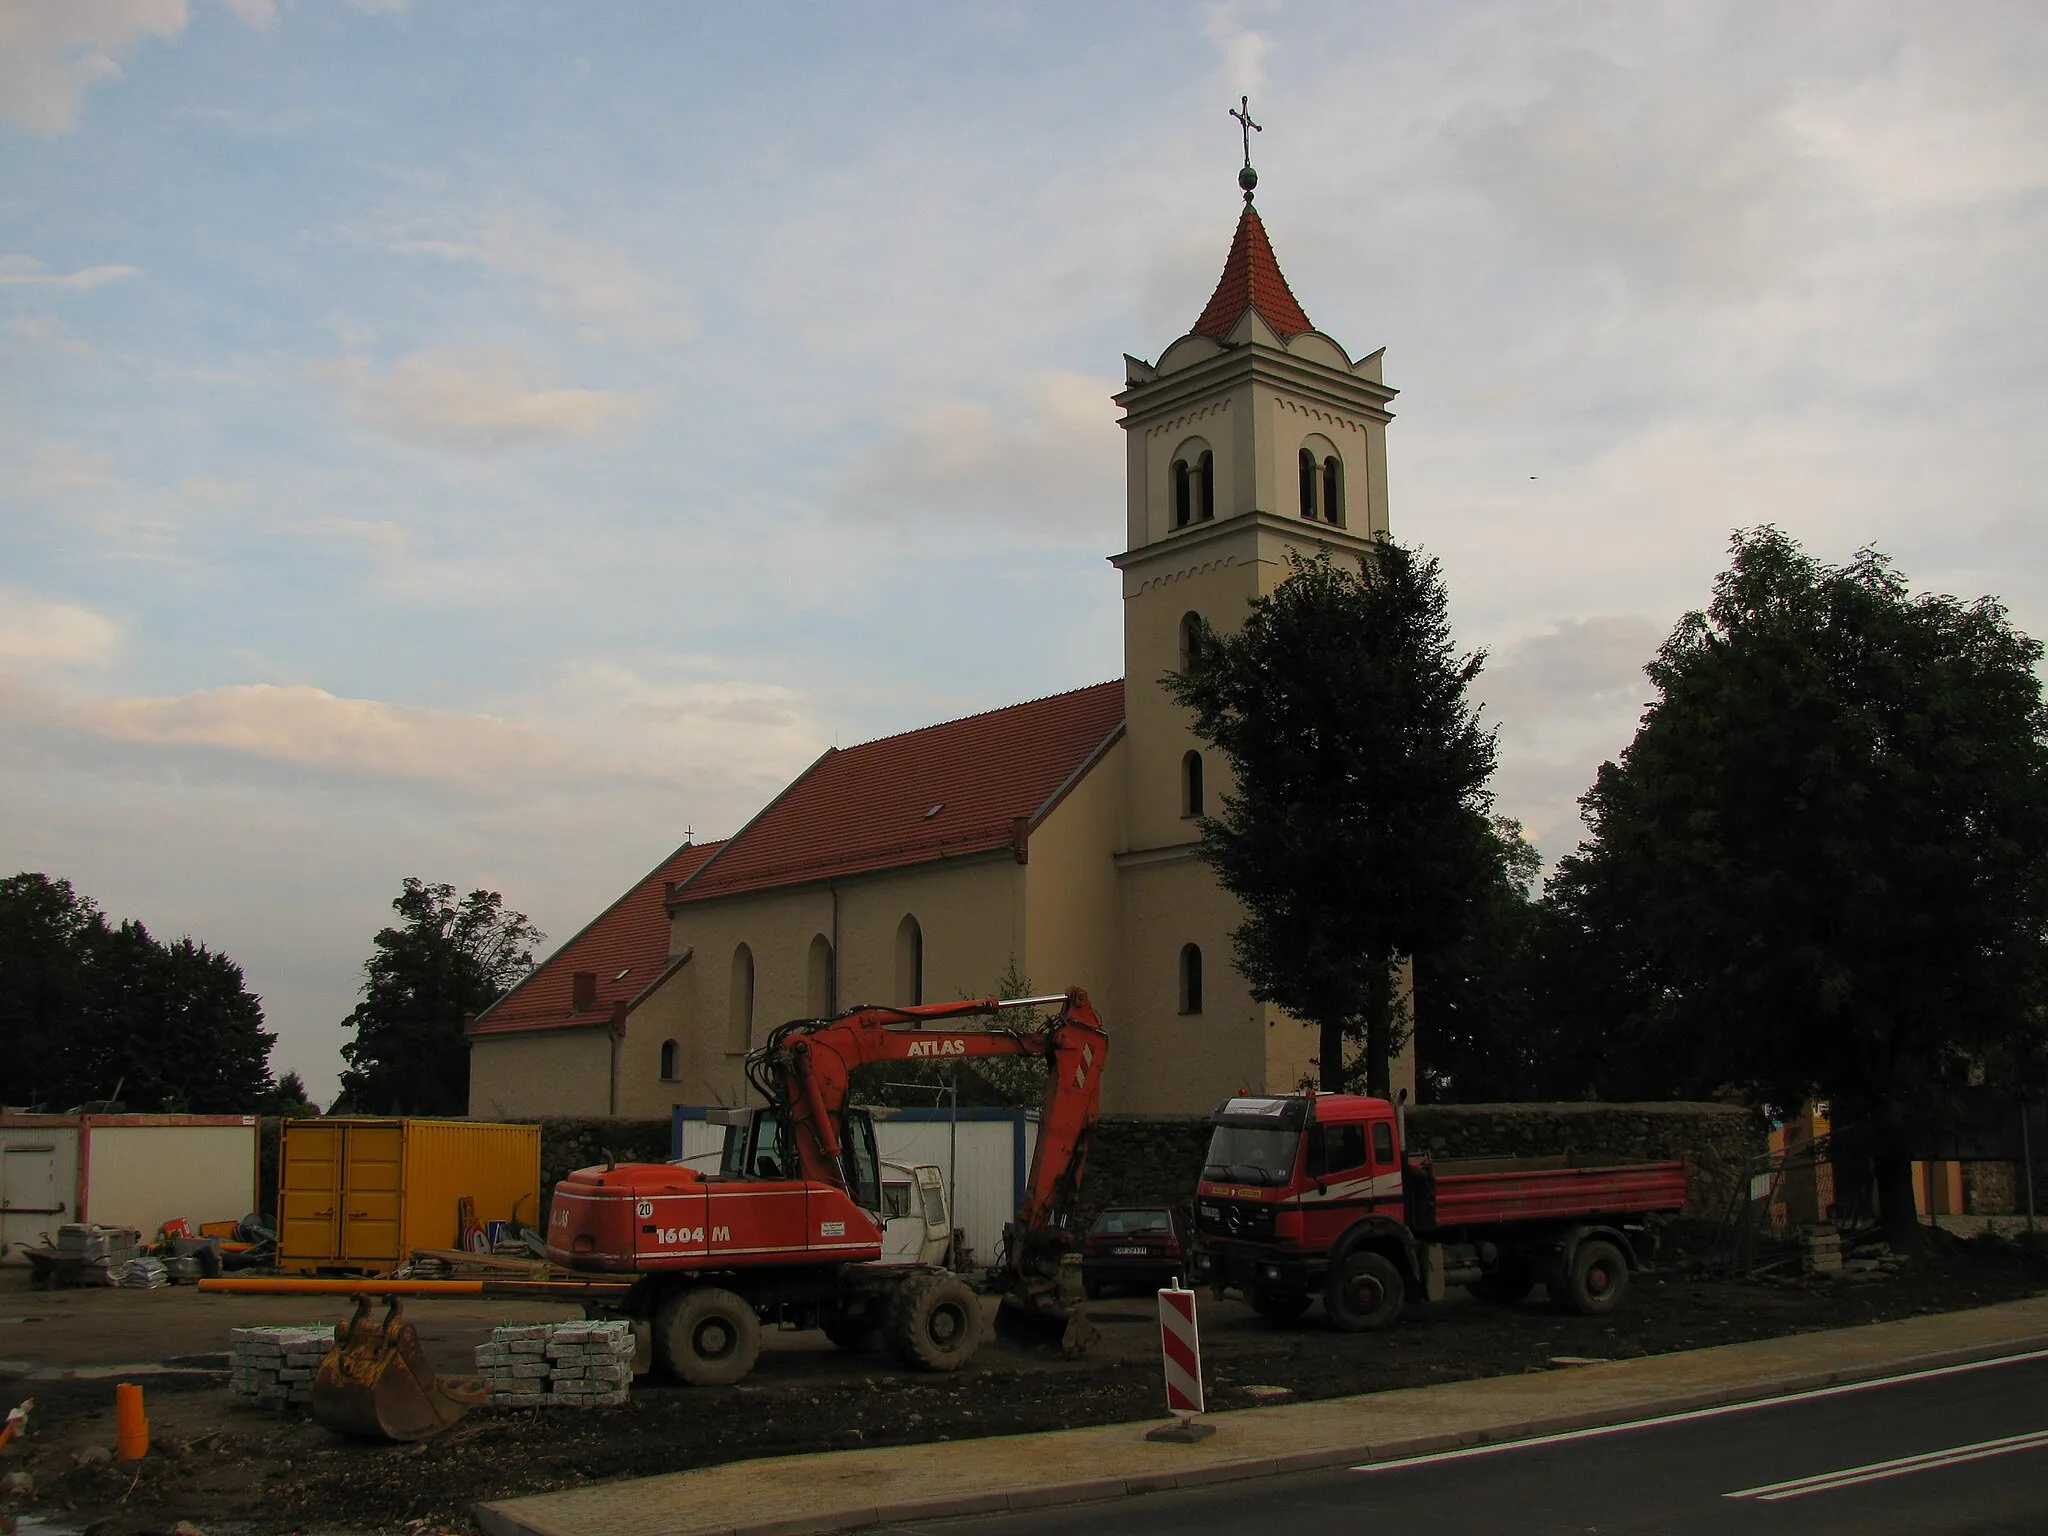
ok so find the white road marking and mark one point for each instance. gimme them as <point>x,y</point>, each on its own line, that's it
<point>1749,1406</point>
<point>1878,1471</point>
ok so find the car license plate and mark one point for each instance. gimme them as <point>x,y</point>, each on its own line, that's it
<point>1133,1253</point>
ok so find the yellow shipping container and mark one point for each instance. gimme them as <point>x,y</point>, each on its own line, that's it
<point>361,1194</point>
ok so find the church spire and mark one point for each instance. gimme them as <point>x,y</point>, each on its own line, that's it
<point>1252,280</point>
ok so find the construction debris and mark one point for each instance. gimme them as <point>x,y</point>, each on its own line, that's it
<point>143,1275</point>
<point>570,1365</point>
<point>275,1366</point>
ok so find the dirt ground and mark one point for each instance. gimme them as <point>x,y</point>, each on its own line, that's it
<point>228,1468</point>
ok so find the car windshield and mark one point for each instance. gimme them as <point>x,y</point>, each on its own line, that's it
<point>1117,1223</point>
<point>1251,1154</point>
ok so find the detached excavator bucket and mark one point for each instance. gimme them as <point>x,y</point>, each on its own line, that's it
<point>377,1383</point>
<point>1042,1309</point>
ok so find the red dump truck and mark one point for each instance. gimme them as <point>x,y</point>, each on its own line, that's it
<point>1313,1197</point>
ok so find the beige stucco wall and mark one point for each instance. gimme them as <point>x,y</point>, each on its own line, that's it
<point>528,1074</point>
<point>1072,921</point>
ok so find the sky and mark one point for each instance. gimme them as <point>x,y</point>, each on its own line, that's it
<point>488,440</point>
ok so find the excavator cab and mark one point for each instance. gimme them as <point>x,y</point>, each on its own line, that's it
<point>758,1146</point>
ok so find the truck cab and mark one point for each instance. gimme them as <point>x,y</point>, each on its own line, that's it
<point>1283,1181</point>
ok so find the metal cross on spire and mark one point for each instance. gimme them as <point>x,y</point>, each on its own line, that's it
<point>1246,178</point>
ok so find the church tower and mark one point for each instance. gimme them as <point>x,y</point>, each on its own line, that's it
<point>1253,436</point>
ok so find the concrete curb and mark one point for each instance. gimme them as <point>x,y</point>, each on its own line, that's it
<point>496,1521</point>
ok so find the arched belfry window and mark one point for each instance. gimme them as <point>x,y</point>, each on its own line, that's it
<point>1190,639</point>
<point>1183,494</point>
<point>909,962</point>
<point>1190,978</point>
<point>1191,784</point>
<point>739,1019</point>
<point>1207,474</point>
<point>1322,481</point>
<point>668,1061</point>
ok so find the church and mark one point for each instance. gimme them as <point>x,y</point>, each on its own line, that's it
<point>1051,843</point>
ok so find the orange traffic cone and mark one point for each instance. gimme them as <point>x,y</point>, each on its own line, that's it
<point>131,1428</point>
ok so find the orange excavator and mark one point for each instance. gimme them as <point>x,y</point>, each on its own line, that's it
<point>788,1231</point>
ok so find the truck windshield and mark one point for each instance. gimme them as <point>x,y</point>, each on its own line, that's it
<point>1251,1154</point>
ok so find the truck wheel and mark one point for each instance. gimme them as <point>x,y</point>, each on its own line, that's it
<point>936,1326</point>
<point>1597,1279</point>
<point>1506,1283</point>
<point>1364,1293</point>
<point>1278,1306</point>
<point>708,1337</point>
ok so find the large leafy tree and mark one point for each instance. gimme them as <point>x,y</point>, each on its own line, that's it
<point>443,959</point>
<point>1821,868</point>
<point>1357,831</point>
<point>88,1007</point>
<point>1480,1045</point>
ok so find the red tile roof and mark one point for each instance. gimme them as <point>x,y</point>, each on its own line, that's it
<point>626,947</point>
<point>1251,280</point>
<point>935,793</point>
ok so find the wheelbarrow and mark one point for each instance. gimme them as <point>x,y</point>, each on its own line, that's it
<point>376,1383</point>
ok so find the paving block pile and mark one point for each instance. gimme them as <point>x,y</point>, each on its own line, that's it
<point>276,1366</point>
<point>99,1251</point>
<point>564,1365</point>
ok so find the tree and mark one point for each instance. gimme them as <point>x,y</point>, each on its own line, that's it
<point>443,960</point>
<point>291,1100</point>
<point>1357,831</point>
<point>1479,1047</point>
<point>89,1009</point>
<point>1821,867</point>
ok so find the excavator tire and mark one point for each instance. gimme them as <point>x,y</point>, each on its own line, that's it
<point>708,1337</point>
<point>935,1323</point>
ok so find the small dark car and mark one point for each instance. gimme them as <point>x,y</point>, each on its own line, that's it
<point>1136,1246</point>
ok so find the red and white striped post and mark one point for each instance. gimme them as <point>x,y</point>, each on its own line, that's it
<point>1180,1342</point>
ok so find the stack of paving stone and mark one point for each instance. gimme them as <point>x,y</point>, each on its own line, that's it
<point>1820,1251</point>
<point>276,1366</point>
<point>99,1251</point>
<point>571,1365</point>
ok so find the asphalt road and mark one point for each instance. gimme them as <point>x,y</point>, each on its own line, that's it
<point>1955,1451</point>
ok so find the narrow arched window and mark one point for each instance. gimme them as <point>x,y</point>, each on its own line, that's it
<point>1190,639</point>
<point>1183,498</point>
<point>1191,784</point>
<point>1190,978</point>
<point>1308,484</point>
<point>1208,479</point>
<point>909,962</point>
<point>739,1019</point>
<point>1333,490</point>
<point>668,1061</point>
<point>818,979</point>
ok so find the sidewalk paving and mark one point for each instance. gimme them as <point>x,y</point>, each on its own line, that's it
<point>844,1490</point>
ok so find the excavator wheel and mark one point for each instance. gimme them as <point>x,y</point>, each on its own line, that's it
<point>708,1337</point>
<point>935,1323</point>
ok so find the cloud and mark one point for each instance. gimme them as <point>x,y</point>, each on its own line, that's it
<point>602,287</point>
<point>43,333</point>
<point>1044,461</point>
<point>37,634</point>
<point>1676,188</point>
<point>27,272</point>
<point>1576,669</point>
<point>1244,49</point>
<point>51,50</point>
<point>482,401</point>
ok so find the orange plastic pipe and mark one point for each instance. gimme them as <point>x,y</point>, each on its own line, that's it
<point>131,1428</point>
<point>300,1286</point>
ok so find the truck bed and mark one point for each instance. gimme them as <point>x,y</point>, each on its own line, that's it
<point>1540,1189</point>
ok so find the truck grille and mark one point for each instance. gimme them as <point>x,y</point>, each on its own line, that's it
<point>1248,1221</point>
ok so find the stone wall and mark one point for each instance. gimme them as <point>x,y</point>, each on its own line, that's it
<point>1157,1160</point>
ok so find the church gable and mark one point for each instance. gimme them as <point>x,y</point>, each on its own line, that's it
<point>625,948</point>
<point>966,786</point>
